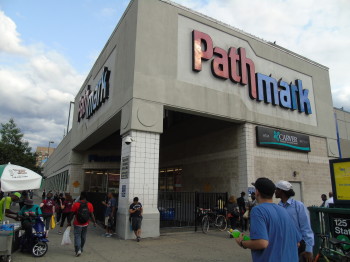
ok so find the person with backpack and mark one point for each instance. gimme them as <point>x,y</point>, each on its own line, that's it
<point>232,212</point>
<point>82,211</point>
<point>48,209</point>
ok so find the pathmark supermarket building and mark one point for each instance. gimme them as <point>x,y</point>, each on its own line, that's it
<point>178,101</point>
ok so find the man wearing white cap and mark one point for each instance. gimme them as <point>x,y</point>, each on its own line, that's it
<point>299,214</point>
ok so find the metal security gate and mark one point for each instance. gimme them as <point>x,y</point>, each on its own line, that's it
<point>180,209</point>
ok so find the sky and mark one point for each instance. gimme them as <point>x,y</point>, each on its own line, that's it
<point>48,47</point>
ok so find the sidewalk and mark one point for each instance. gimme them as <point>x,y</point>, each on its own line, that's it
<point>173,247</point>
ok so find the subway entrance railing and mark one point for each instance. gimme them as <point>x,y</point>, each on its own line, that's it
<point>334,222</point>
<point>176,209</point>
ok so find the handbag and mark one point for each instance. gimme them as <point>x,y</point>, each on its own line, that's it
<point>53,222</point>
<point>66,238</point>
<point>246,214</point>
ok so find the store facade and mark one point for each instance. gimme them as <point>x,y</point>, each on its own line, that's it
<point>178,101</point>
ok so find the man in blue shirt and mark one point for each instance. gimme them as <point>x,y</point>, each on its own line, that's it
<point>298,212</point>
<point>273,236</point>
<point>109,214</point>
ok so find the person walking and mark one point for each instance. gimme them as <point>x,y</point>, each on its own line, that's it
<point>232,212</point>
<point>43,196</point>
<point>48,209</point>
<point>82,212</point>
<point>109,214</point>
<point>273,235</point>
<point>242,210</point>
<point>324,199</point>
<point>59,200</point>
<point>66,207</point>
<point>299,214</point>
<point>136,211</point>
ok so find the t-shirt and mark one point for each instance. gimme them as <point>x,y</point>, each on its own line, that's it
<point>48,206</point>
<point>110,204</point>
<point>67,206</point>
<point>134,207</point>
<point>32,210</point>
<point>272,223</point>
<point>75,209</point>
<point>2,203</point>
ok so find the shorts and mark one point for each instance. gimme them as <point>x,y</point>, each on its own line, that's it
<point>136,223</point>
<point>109,222</point>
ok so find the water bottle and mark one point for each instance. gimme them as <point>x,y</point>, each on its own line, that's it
<point>236,233</point>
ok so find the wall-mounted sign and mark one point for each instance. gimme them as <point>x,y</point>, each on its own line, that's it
<point>97,158</point>
<point>123,193</point>
<point>340,176</point>
<point>91,100</point>
<point>276,138</point>
<point>234,65</point>
<point>125,168</point>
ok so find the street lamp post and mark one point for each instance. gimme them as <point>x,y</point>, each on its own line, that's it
<point>48,149</point>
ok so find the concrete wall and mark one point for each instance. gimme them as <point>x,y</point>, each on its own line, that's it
<point>163,73</point>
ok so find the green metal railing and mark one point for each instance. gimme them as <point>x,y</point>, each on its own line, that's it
<point>324,221</point>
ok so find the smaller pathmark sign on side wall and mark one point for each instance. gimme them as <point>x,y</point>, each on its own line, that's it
<point>277,138</point>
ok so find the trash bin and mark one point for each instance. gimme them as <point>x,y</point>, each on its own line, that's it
<point>6,244</point>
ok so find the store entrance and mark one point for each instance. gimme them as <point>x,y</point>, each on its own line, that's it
<point>102,181</point>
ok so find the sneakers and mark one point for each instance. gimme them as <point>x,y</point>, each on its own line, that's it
<point>78,253</point>
<point>108,235</point>
<point>59,232</point>
<point>138,239</point>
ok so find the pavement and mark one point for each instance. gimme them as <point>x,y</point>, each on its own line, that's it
<point>173,247</point>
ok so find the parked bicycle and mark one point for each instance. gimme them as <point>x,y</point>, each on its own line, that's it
<point>212,218</point>
<point>336,254</point>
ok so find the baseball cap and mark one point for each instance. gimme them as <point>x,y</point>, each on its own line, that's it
<point>265,186</point>
<point>284,185</point>
<point>17,194</point>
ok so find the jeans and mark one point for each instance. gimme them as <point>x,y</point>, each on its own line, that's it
<point>79,237</point>
<point>47,220</point>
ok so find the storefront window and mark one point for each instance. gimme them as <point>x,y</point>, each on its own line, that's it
<point>170,179</point>
<point>102,181</point>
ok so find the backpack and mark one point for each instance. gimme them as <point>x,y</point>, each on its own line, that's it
<point>83,214</point>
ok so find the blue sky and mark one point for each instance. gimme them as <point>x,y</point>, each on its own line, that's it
<point>48,47</point>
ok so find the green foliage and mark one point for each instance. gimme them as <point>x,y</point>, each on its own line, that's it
<point>14,149</point>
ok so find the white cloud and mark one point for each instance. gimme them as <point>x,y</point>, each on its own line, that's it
<point>36,86</point>
<point>317,29</point>
<point>9,40</point>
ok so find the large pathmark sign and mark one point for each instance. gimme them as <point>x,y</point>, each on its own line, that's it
<point>91,100</point>
<point>276,138</point>
<point>234,65</point>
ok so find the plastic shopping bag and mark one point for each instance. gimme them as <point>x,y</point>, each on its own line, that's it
<point>66,238</point>
<point>53,222</point>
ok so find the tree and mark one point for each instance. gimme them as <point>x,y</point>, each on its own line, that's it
<point>14,149</point>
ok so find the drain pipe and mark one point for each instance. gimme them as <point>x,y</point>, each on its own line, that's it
<point>338,139</point>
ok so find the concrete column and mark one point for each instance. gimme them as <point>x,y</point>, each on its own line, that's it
<point>139,172</point>
<point>246,157</point>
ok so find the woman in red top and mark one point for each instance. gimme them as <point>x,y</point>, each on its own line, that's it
<point>48,209</point>
<point>66,208</point>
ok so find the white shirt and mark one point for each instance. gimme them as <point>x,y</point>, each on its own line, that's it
<point>329,201</point>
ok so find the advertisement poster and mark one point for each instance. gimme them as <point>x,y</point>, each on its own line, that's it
<point>340,176</point>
